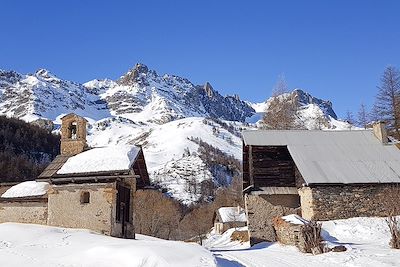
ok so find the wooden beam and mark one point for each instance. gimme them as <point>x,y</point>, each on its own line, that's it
<point>251,171</point>
<point>88,178</point>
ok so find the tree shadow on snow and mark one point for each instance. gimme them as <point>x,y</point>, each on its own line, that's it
<point>223,262</point>
<point>331,239</point>
<point>261,245</point>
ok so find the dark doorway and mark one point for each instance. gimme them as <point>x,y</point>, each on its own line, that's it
<point>123,215</point>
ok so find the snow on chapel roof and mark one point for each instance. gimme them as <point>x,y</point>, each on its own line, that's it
<point>101,159</point>
<point>232,214</point>
<point>27,189</point>
<point>342,157</point>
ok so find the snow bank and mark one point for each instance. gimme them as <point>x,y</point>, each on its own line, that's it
<point>224,242</point>
<point>45,246</point>
<point>232,214</point>
<point>295,219</point>
<point>366,240</point>
<point>101,159</point>
<point>27,189</point>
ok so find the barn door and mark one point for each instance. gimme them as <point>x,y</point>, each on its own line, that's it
<point>123,207</point>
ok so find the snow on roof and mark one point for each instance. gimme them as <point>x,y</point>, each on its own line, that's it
<point>343,157</point>
<point>295,219</point>
<point>27,189</point>
<point>231,214</point>
<point>101,159</point>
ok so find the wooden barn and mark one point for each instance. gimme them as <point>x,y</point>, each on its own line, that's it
<point>321,175</point>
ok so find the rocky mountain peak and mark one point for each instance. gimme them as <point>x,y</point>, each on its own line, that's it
<point>134,74</point>
<point>45,74</point>
<point>10,77</point>
<point>304,98</point>
<point>208,89</point>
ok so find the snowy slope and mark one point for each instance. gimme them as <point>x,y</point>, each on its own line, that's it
<point>41,246</point>
<point>164,146</point>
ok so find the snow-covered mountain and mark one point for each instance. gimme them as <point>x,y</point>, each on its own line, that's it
<point>174,120</point>
<point>313,113</point>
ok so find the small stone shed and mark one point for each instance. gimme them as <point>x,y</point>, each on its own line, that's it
<point>229,217</point>
<point>90,188</point>
<point>320,175</point>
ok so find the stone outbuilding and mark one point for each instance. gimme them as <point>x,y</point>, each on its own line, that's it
<point>90,188</point>
<point>320,175</point>
<point>229,217</point>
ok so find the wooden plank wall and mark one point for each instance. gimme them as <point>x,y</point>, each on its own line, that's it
<point>271,166</point>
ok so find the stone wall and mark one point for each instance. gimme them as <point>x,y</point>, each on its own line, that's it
<point>23,211</point>
<point>260,214</point>
<point>66,210</point>
<point>346,201</point>
<point>73,145</point>
<point>287,233</point>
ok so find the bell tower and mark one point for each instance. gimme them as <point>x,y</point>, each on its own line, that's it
<point>73,134</point>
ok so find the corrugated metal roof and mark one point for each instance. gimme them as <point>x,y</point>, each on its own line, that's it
<point>334,156</point>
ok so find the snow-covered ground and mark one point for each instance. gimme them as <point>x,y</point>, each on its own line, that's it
<point>366,240</point>
<point>24,245</point>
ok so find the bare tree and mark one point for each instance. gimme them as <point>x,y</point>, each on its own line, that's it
<point>319,120</point>
<point>280,86</point>
<point>156,215</point>
<point>363,116</point>
<point>349,118</point>
<point>281,114</point>
<point>387,103</point>
<point>390,201</point>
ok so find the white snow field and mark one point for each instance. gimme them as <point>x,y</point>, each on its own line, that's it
<point>44,246</point>
<point>366,240</point>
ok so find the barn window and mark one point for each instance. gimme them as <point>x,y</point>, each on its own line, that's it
<point>85,197</point>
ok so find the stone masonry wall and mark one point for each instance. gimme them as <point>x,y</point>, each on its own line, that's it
<point>66,210</point>
<point>287,233</point>
<point>260,214</point>
<point>345,201</point>
<point>23,212</point>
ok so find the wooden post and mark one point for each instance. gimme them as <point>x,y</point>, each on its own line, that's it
<point>251,171</point>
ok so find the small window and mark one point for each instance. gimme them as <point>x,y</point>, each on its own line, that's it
<point>73,130</point>
<point>85,197</point>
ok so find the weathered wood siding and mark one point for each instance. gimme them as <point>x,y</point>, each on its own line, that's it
<point>268,166</point>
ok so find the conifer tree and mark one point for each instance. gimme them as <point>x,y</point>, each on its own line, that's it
<point>387,103</point>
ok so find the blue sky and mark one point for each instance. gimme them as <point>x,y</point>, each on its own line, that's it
<point>335,50</point>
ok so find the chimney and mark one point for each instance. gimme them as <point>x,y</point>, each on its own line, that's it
<point>380,132</point>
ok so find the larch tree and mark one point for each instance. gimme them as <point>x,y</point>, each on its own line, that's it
<point>363,116</point>
<point>349,118</point>
<point>387,102</point>
<point>281,86</point>
<point>281,113</point>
